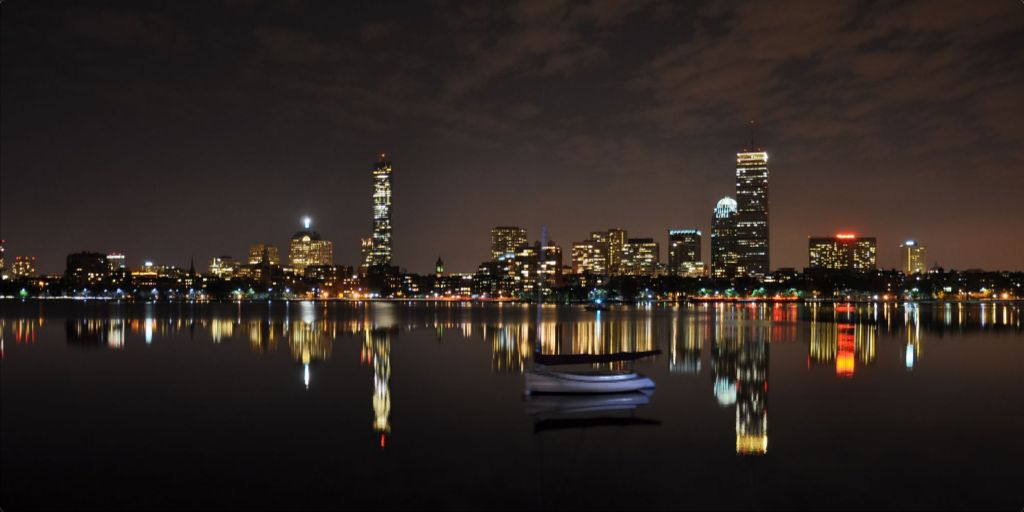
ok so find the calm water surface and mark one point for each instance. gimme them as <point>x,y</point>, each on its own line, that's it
<point>384,405</point>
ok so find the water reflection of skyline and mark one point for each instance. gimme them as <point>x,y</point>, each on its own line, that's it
<point>842,338</point>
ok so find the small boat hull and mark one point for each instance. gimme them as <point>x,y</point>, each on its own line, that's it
<point>544,381</point>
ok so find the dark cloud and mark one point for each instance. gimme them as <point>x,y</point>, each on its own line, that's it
<point>219,124</point>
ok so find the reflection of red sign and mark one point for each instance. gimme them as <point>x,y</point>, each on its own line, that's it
<point>845,347</point>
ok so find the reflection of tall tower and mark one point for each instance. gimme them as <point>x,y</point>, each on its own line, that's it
<point>377,348</point>
<point>306,343</point>
<point>686,348</point>
<point>913,349</point>
<point>381,248</point>
<point>752,397</point>
<point>724,353</point>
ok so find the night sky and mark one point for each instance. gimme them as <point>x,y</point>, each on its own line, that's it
<point>192,129</point>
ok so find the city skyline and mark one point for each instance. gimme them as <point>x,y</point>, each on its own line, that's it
<point>251,246</point>
<point>245,127</point>
<point>751,181</point>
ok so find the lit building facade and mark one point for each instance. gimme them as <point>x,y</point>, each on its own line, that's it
<point>86,269</point>
<point>308,248</point>
<point>842,252</point>
<point>613,243</point>
<point>116,262</point>
<point>639,257</point>
<point>264,253</point>
<point>223,266</point>
<point>24,266</point>
<point>550,264</point>
<point>752,213</point>
<point>724,256</point>
<point>601,254</point>
<point>506,241</point>
<point>912,258</point>
<point>684,246</point>
<point>588,257</point>
<point>380,252</point>
<point>366,250</point>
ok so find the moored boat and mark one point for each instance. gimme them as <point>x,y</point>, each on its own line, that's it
<point>547,381</point>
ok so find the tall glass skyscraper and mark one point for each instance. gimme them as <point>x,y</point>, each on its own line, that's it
<point>752,212</point>
<point>723,239</point>
<point>684,251</point>
<point>380,251</point>
<point>912,258</point>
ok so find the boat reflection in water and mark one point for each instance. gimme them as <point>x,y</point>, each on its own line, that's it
<point>562,414</point>
<point>555,412</point>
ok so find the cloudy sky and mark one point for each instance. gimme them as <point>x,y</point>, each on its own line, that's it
<point>171,130</point>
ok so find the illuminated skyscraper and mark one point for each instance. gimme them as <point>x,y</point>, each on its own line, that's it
<point>723,239</point>
<point>307,248</point>
<point>912,258</point>
<point>752,212</point>
<point>841,252</point>
<point>600,254</point>
<point>264,253</point>
<point>614,241</point>
<point>684,251</point>
<point>588,256</point>
<point>2,267</point>
<point>506,241</point>
<point>639,257</point>
<point>380,253</point>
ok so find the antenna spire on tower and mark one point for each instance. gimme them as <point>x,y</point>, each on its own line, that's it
<point>751,134</point>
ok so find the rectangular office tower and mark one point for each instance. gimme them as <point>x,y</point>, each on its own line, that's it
<point>912,258</point>
<point>380,252</point>
<point>752,213</point>
<point>639,257</point>
<point>841,252</point>
<point>506,241</point>
<point>723,239</point>
<point>684,252</point>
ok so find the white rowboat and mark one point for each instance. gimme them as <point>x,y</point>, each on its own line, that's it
<point>546,381</point>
